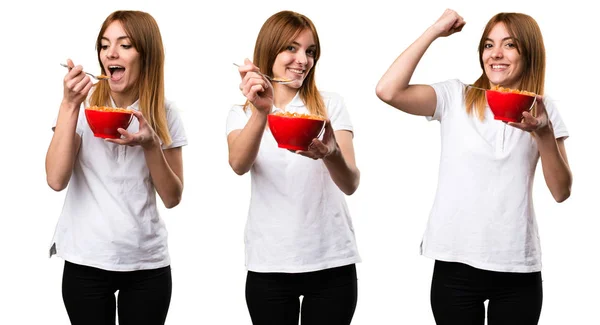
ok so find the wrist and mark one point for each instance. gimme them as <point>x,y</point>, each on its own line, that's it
<point>334,154</point>
<point>152,144</point>
<point>545,132</point>
<point>431,33</point>
<point>69,105</point>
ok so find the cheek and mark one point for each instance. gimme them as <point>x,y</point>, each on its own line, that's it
<point>485,56</point>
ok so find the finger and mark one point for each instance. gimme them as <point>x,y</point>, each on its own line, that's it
<point>125,133</point>
<point>139,116</point>
<point>255,90</point>
<point>319,147</point>
<point>247,67</point>
<point>250,79</point>
<point>72,82</point>
<point>116,141</point>
<point>520,126</point>
<point>528,119</point>
<point>87,87</point>
<point>70,64</point>
<point>306,154</point>
<point>78,87</point>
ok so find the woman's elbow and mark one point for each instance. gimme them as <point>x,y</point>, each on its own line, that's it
<point>562,196</point>
<point>383,93</point>
<point>56,184</point>
<point>349,190</point>
<point>172,202</point>
<point>238,168</point>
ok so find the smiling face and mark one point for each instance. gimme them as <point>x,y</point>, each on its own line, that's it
<point>296,60</point>
<point>121,61</point>
<point>502,61</point>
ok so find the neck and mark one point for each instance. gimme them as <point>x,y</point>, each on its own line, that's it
<point>283,95</point>
<point>123,100</point>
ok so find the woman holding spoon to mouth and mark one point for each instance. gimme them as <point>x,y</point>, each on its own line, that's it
<point>110,233</point>
<point>482,229</point>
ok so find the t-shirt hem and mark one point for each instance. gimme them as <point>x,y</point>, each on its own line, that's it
<point>115,267</point>
<point>302,268</point>
<point>484,266</point>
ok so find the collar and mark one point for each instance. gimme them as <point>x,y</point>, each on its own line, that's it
<point>296,102</point>
<point>135,105</point>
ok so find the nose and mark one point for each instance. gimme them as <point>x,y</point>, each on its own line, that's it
<point>111,52</point>
<point>497,53</point>
<point>301,58</point>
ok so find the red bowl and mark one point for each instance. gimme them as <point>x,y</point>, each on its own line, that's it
<point>507,106</point>
<point>104,124</point>
<point>294,133</point>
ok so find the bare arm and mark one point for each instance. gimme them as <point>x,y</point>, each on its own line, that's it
<point>394,88</point>
<point>65,142</point>
<point>244,144</point>
<point>341,164</point>
<point>337,152</point>
<point>553,154</point>
<point>166,170</point>
<point>555,165</point>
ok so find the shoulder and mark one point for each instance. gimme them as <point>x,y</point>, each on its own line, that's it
<point>333,101</point>
<point>451,86</point>
<point>331,97</point>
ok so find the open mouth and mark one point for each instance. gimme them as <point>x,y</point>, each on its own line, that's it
<point>116,72</point>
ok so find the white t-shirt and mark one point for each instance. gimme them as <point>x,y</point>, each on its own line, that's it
<point>298,219</point>
<point>110,219</point>
<point>483,212</point>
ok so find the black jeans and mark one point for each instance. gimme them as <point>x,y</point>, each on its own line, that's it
<point>89,295</point>
<point>330,297</point>
<point>458,292</point>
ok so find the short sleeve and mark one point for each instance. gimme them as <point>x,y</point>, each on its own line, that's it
<point>236,119</point>
<point>337,112</point>
<point>446,93</point>
<point>560,129</point>
<point>175,125</point>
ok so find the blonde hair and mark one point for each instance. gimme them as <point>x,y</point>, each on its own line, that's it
<point>527,36</point>
<point>145,37</point>
<point>275,35</point>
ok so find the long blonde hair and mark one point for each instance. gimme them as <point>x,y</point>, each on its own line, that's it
<point>527,36</point>
<point>275,35</point>
<point>145,37</point>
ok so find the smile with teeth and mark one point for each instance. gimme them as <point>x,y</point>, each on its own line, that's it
<point>499,66</point>
<point>296,71</point>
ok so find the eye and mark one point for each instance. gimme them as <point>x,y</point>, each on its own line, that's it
<point>511,45</point>
<point>126,46</point>
<point>104,47</point>
<point>291,48</point>
<point>311,52</point>
<point>488,45</point>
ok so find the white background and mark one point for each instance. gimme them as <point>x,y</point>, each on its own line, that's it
<point>398,154</point>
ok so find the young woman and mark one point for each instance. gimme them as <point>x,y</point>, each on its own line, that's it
<point>110,233</point>
<point>482,230</point>
<point>299,235</point>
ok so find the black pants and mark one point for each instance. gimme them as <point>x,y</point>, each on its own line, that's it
<point>458,292</point>
<point>330,297</point>
<point>89,295</point>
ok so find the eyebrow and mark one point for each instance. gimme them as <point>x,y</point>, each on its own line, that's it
<point>118,38</point>
<point>504,39</point>
<point>296,43</point>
